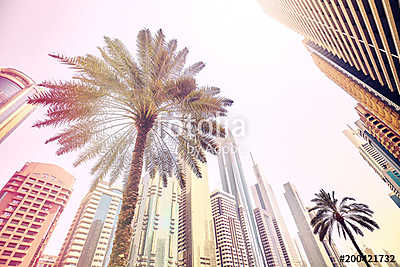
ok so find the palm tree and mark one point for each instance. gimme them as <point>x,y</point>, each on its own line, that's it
<point>128,114</point>
<point>347,216</point>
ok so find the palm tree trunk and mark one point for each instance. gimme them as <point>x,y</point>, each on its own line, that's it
<point>123,234</point>
<point>355,244</point>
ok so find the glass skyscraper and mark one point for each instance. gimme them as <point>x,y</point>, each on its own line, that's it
<point>234,182</point>
<point>90,237</point>
<point>269,219</point>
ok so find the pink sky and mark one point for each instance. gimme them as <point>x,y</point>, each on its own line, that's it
<point>294,115</point>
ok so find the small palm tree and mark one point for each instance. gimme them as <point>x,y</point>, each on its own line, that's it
<point>347,216</point>
<point>128,114</point>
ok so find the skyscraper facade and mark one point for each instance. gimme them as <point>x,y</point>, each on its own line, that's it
<point>230,245</point>
<point>301,257</point>
<point>234,182</point>
<point>382,166</point>
<point>15,88</point>
<point>155,225</point>
<point>315,251</point>
<point>30,205</point>
<point>196,238</point>
<point>270,239</point>
<point>355,43</point>
<point>90,236</point>
<point>268,207</point>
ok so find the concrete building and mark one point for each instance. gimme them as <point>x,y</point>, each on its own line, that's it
<point>196,238</point>
<point>315,251</point>
<point>155,225</point>
<point>268,210</point>
<point>15,88</point>
<point>230,245</point>
<point>90,236</point>
<point>30,205</point>
<point>377,160</point>
<point>234,182</point>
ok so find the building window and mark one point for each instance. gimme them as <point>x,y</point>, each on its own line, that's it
<point>7,253</point>
<point>12,245</point>
<point>14,263</point>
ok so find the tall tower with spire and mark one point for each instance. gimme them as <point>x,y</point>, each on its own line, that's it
<point>234,182</point>
<point>269,217</point>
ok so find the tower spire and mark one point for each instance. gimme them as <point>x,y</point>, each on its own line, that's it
<point>252,159</point>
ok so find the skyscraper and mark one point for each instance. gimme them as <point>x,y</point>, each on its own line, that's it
<point>155,225</point>
<point>196,238</point>
<point>31,203</point>
<point>230,245</point>
<point>15,88</point>
<point>90,236</point>
<point>301,256</point>
<point>269,211</point>
<point>234,182</point>
<point>355,43</point>
<point>315,251</point>
<point>385,169</point>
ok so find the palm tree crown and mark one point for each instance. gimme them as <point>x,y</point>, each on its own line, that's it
<point>329,213</point>
<point>110,98</point>
<point>347,216</point>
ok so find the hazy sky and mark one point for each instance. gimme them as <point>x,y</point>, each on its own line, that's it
<point>294,115</point>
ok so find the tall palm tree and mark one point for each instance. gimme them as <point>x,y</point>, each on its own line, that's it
<point>347,216</point>
<point>129,113</point>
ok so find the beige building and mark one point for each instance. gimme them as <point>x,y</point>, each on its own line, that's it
<point>155,225</point>
<point>90,237</point>
<point>196,240</point>
<point>230,246</point>
<point>31,203</point>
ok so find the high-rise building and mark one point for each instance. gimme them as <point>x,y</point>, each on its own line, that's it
<point>315,251</point>
<point>47,261</point>
<point>301,257</point>
<point>155,224</point>
<point>271,239</point>
<point>230,246</point>
<point>196,239</point>
<point>269,210</point>
<point>395,199</point>
<point>382,166</point>
<point>15,88</point>
<point>355,43</point>
<point>30,205</point>
<point>234,182</point>
<point>379,133</point>
<point>90,237</point>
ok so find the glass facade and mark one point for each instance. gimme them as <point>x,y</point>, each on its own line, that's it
<point>234,182</point>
